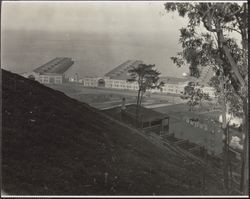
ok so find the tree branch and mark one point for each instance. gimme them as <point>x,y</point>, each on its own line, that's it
<point>235,12</point>
<point>232,29</point>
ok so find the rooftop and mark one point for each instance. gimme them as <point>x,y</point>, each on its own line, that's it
<point>147,114</point>
<point>59,65</point>
<point>121,71</point>
<point>174,80</point>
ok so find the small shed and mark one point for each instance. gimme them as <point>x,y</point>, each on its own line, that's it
<point>148,120</point>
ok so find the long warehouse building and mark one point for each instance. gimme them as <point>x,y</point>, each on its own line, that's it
<point>117,79</point>
<point>52,72</point>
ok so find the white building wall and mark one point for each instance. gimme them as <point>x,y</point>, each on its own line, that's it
<point>50,79</point>
<point>120,84</point>
<point>173,88</point>
<point>45,79</point>
<point>91,81</point>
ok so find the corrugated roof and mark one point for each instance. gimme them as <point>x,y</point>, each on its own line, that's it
<point>121,71</point>
<point>174,80</point>
<point>59,65</point>
<point>146,113</point>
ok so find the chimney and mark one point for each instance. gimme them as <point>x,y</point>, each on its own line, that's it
<point>123,104</point>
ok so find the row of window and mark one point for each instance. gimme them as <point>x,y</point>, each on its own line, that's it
<point>116,81</point>
<point>131,87</point>
<point>50,79</point>
<point>89,84</point>
<point>120,82</point>
<point>122,86</point>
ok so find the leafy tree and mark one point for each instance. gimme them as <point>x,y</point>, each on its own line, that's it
<point>189,88</point>
<point>147,77</point>
<point>233,101</point>
<point>195,95</point>
<point>208,40</point>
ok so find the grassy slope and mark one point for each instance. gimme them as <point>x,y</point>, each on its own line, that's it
<point>53,144</point>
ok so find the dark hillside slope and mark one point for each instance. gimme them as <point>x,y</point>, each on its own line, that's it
<point>52,144</point>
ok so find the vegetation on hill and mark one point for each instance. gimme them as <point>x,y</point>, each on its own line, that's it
<point>55,145</point>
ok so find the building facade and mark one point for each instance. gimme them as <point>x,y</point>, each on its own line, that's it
<point>52,72</point>
<point>148,120</point>
<point>117,79</point>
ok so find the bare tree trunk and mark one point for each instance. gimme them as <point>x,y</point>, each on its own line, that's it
<point>244,158</point>
<point>245,155</point>
<point>137,108</point>
<point>141,98</point>
<point>225,132</point>
<point>244,169</point>
<point>223,103</point>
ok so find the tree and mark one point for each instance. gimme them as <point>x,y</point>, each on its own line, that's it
<point>216,46</point>
<point>232,100</point>
<point>195,95</point>
<point>191,94</point>
<point>147,78</point>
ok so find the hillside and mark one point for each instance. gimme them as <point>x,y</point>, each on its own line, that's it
<point>55,145</point>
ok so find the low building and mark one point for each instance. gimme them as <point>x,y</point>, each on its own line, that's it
<point>117,79</point>
<point>52,72</point>
<point>172,85</point>
<point>148,120</point>
<point>92,81</point>
<point>74,78</point>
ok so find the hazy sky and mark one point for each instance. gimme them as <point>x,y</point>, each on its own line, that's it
<point>131,22</point>
<point>111,17</point>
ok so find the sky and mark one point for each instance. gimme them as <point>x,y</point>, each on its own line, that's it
<point>140,30</point>
<point>115,17</point>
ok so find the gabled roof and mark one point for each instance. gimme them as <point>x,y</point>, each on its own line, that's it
<point>121,71</point>
<point>173,80</point>
<point>59,65</point>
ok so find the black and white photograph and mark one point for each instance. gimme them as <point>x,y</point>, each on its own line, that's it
<point>124,98</point>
